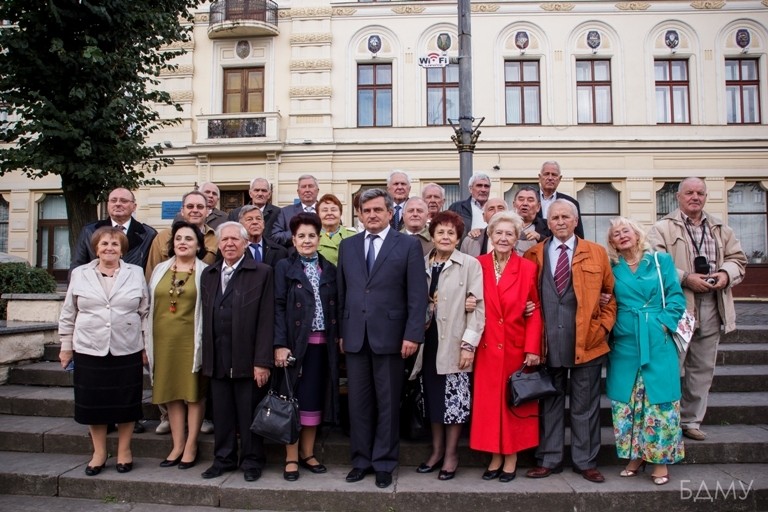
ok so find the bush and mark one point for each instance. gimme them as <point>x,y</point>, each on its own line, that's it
<point>21,278</point>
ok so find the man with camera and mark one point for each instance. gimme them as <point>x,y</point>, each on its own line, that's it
<point>710,262</point>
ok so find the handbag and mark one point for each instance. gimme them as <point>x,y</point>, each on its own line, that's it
<point>277,416</point>
<point>685,326</point>
<point>525,386</point>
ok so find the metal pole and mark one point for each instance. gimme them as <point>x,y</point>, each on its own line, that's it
<point>465,94</point>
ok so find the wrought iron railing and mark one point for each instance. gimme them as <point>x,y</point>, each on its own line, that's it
<point>237,128</point>
<point>243,10</point>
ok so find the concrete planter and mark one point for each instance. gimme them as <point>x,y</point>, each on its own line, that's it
<point>34,307</point>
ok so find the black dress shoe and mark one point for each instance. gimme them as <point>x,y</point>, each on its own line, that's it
<point>94,470</point>
<point>138,428</point>
<point>216,471</point>
<point>507,477</point>
<point>168,463</point>
<point>491,474</point>
<point>124,468</point>
<point>358,474</point>
<point>314,468</point>
<point>423,468</point>
<point>383,479</point>
<point>291,476</point>
<point>446,475</point>
<point>187,465</point>
<point>251,475</point>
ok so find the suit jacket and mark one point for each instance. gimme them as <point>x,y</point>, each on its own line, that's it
<point>281,232</point>
<point>464,209</point>
<point>579,231</point>
<point>253,316</point>
<point>270,214</point>
<point>424,239</point>
<point>140,237</point>
<point>591,275</point>
<point>271,252</point>
<point>388,306</point>
<point>475,246</point>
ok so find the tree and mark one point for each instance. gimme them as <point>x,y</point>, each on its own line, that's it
<point>78,79</point>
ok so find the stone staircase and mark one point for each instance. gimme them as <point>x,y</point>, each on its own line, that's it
<point>43,453</point>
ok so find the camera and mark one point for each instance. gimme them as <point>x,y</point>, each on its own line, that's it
<point>711,280</point>
<point>290,360</point>
<point>701,265</point>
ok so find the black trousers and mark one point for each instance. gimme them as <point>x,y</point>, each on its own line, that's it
<point>234,402</point>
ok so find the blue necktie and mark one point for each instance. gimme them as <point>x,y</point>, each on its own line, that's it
<point>370,258</point>
<point>256,252</point>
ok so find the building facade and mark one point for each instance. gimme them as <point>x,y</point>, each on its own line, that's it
<point>628,96</point>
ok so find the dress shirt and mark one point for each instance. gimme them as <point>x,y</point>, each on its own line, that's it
<point>377,242</point>
<point>553,252</point>
<point>125,226</point>
<point>477,215</point>
<point>233,267</point>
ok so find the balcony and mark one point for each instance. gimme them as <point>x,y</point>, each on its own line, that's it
<point>242,18</point>
<point>228,133</point>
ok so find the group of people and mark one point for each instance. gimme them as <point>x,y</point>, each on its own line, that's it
<point>468,295</point>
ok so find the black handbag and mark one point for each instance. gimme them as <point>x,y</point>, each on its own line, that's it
<point>525,386</point>
<point>277,416</point>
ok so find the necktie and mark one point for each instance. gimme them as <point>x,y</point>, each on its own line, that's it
<point>309,209</point>
<point>226,277</point>
<point>562,270</point>
<point>121,227</point>
<point>397,216</point>
<point>370,258</point>
<point>256,249</point>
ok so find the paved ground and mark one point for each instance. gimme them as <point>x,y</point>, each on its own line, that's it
<point>754,313</point>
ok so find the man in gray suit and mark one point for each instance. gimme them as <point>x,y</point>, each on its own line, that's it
<point>307,190</point>
<point>573,273</point>
<point>383,295</point>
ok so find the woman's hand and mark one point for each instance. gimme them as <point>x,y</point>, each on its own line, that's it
<point>605,298</point>
<point>281,356</point>
<point>466,358</point>
<point>529,307</point>
<point>532,360</point>
<point>470,304</point>
<point>260,376</point>
<point>144,358</point>
<point>65,356</point>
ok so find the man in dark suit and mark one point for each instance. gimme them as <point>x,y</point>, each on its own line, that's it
<point>527,206</point>
<point>549,179</point>
<point>238,305</point>
<point>471,208</point>
<point>383,293</point>
<point>399,188</point>
<point>260,248</point>
<point>121,205</point>
<point>261,194</point>
<point>308,190</point>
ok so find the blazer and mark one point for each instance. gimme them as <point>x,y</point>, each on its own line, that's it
<point>159,250</point>
<point>140,237</point>
<point>253,316</point>
<point>94,323</point>
<point>591,275</point>
<point>271,252</point>
<point>579,231</point>
<point>388,306</point>
<point>475,246</point>
<point>329,247</point>
<point>269,213</point>
<point>157,275</point>
<point>281,231</point>
<point>424,239</point>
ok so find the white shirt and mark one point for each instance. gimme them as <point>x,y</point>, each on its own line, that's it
<point>546,203</point>
<point>477,215</point>
<point>233,267</point>
<point>125,226</point>
<point>377,242</point>
<point>554,252</point>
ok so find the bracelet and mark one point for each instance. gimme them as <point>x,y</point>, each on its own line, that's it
<point>466,346</point>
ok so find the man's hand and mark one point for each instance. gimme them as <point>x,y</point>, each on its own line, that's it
<point>409,348</point>
<point>475,233</point>
<point>696,283</point>
<point>470,304</point>
<point>529,307</point>
<point>605,298</point>
<point>281,356</point>
<point>532,236</point>
<point>722,280</point>
<point>260,375</point>
<point>341,345</point>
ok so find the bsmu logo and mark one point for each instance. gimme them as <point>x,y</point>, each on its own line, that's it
<point>433,60</point>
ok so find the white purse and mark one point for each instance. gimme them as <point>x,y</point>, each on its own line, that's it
<point>687,322</point>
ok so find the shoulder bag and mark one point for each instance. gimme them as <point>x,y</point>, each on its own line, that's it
<point>684,332</point>
<point>525,386</point>
<point>277,417</point>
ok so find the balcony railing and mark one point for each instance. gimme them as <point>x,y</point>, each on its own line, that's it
<point>238,18</point>
<point>261,127</point>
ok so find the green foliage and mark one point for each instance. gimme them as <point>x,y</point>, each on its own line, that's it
<point>21,278</point>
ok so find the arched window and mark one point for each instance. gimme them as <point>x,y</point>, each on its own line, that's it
<point>599,203</point>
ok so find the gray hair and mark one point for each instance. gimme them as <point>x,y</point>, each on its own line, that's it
<point>231,224</point>
<point>690,179</point>
<point>488,202</point>
<point>206,183</point>
<point>433,185</point>
<point>478,176</point>
<point>247,209</point>
<point>305,177</point>
<point>415,198</point>
<point>373,193</point>
<point>552,163</point>
<point>528,188</point>
<point>565,202</point>
<point>506,216</point>
<point>642,237</point>
<point>259,178</point>
<point>398,171</point>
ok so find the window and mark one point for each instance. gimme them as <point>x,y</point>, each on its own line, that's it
<point>666,199</point>
<point>442,94</point>
<point>742,91</point>
<point>53,236</point>
<point>3,225</point>
<point>452,194</point>
<point>748,216</point>
<point>243,90</point>
<point>672,103</point>
<point>522,88</point>
<point>599,203</point>
<point>374,95</point>
<point>593,91</point>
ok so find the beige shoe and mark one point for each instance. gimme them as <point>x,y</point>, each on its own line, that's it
<point>694,433</point>
<point>206,427</point>
<point>163,428</point>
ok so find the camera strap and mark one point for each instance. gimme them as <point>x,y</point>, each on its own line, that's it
<point>693,239</point>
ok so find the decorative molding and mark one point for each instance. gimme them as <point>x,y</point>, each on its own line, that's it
<point>186,69</point>
<point>633,6</point>
<point>182,96</point>
<point>557,7</point>
<point>408,9</point>
<point>311,38</point>
<point>307,12</point>
<point>344,11</point>
<point>485,7</point>
<point>316,64</point>
<point>202,17</point>
<point>310,91</point>
<point>176,45</point>
<point>708,4</point>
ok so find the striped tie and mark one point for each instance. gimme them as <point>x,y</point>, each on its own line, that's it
<point>562,270</point>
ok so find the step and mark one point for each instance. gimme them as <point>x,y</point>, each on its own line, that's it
<point>742,353</point>
<point>740,378</point>
<point>62,475</point>
<point>48,373</point>
<point>747,334</point>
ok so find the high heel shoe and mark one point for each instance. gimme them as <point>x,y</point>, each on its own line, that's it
<point>507,477</point>
<point>94,470</point>
<point>424,468</point>
<point>627,473</point>
<point>187,465</point>
<point>660,479</point>
<point>491,474</point>
<point>446,475</point>
<point>167,463</point>
<point>124,467</point>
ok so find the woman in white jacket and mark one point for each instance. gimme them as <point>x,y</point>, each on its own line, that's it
<point>174,341</point>
<point>101,328</point>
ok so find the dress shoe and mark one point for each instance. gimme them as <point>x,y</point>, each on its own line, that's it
<point>251,475</point>
<point>423,468</point>
<point>124,468</point>
<point>291,476</point>
<point>491,474</point>
<point>187,465</point>
<point>694,433</point>
<point>138,428</point>
<point>358,474</point>
<point>383,479</point>
<point>505,477</point>
<point>167,463</point>
<point>314,468</point>
<point>591,474</point>
<point>542,472</point>
<point>446,475</point>
<point>216,471</point>
<point>94,470</point>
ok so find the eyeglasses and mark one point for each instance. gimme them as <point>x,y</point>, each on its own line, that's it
<point>195,206</point>
<point>120,200</point>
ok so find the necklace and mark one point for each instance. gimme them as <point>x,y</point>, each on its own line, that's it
<point>177,286</point>
<point>497,268</point>
<point>633,263</point>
